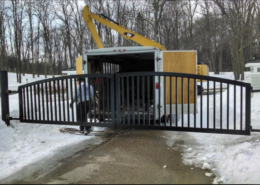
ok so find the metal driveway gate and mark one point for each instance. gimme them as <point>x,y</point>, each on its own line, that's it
<point>144,100</point>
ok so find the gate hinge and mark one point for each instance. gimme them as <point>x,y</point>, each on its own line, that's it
<point>11,92</point>
<point>158,59</point>
<point>11,118</point>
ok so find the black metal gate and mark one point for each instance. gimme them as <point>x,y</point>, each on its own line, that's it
<point>147,100</point>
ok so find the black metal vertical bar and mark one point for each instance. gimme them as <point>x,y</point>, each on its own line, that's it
<point>71,96</point>
<point>47,101</point>
<point>80,100</point>
<point>31,92</point>
<point>63,100</point>
<point>138,100</point>
<point>188,94</point>
<point>170,100</point>
<point>127,90</point>
<point>28,104</point>
<point>118,108</point>
<point>195,101</point>
<point>35,103</point>
<point>108,98</point>
<point>228,106</point>
<point>67,97</point>
<point>201,103</point>
<point>176,101</point>
<point>235,107</point>
<point>24,104</point>
<point>85,102</point>
<point>133,104</point>
<point>112,94</point>
<point>248,110</point>
<point>221,106</point>
<point>55,102</point>
<point>241,107</point>
<point>182,102</point>
<point>99,109</point>
<point>123,98</point>
<point>90,99</point>
<point>20,106</point>
<point>148,99</point>
<point>43,108</point>
<point>103,97</point>
<point>207,103</point>
<point>50,89</point>
<point>164,89</point>
<point>59,99</point>
<point>143,98</point>
<point>39,102</point>
<point>214,105</point>
<point>159,84</point>
<point>94,89</point>
<point>154,101</point>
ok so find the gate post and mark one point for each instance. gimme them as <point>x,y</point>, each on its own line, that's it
<point>4,97</point>
<point>248,109</point>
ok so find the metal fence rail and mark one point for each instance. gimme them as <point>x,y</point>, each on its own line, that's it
<point>48,101</point>
<point>169,101</point>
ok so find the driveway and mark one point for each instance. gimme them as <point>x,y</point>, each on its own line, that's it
<point>118,157</point>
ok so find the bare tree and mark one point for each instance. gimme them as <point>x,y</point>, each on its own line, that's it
<point>17,13</point>
<point>240,17</point>
<point>64,12</point>
<point>3,63</point>
<point>43,12</point>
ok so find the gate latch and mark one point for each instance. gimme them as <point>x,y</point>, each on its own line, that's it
<point>158,59</point>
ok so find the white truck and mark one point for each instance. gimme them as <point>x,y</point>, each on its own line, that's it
<point>145,59</point>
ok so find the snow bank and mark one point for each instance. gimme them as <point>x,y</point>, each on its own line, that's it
<point>232,159</point>
<point>22,143</point>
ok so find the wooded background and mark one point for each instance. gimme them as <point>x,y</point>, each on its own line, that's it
<point>46,36</point>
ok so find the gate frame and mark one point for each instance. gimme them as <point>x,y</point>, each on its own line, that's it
<point>115,108</point>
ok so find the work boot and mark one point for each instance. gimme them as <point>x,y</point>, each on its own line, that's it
<point>90,129</point>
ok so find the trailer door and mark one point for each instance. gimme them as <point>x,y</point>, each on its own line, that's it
<point>178,62</point>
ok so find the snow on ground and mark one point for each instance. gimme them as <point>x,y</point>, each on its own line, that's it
<point>22,143</point>
<point>233,159</point>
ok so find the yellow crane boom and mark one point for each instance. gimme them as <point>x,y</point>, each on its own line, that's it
<point>125,33</point>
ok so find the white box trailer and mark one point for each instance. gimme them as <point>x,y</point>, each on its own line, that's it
<point>145,59</point>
